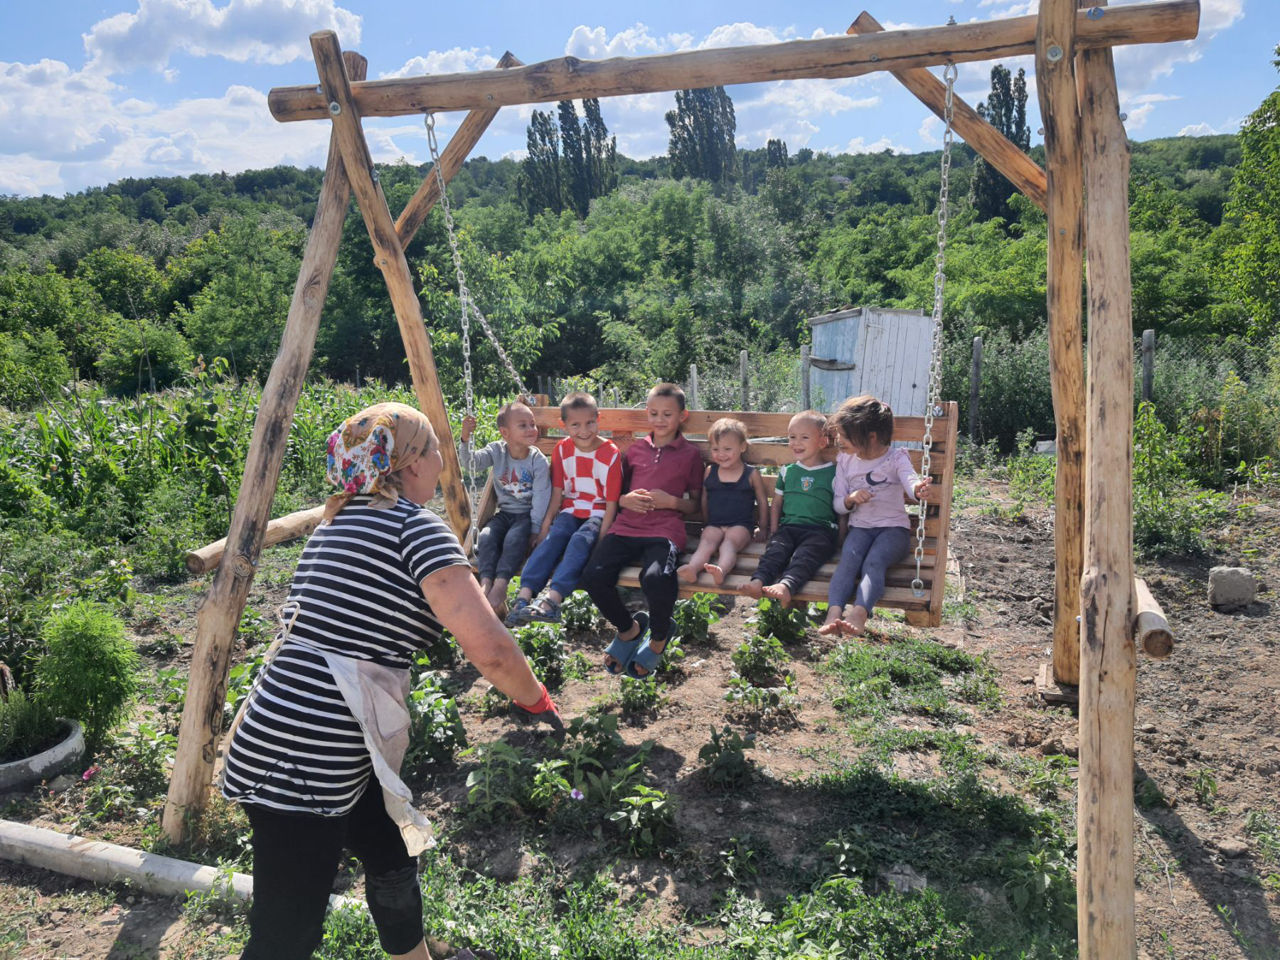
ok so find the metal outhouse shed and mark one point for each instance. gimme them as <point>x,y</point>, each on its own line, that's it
<point>871,350</point>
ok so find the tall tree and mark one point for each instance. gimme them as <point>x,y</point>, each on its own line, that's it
<point>1006,110</point>
<point>1252,268</point>
<point>601,149</point>
<point>775,154</point>
<point>702,127</point>
<point>576,173</point>
<point>540,178</point>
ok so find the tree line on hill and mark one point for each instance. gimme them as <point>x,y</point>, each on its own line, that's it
<point>589,262</point>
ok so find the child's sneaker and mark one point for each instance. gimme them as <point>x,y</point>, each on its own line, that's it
<point>545,611</point>
<point>520,612</point>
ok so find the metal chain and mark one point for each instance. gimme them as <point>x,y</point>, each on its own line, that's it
<point>464,293</point>
<point>933,406</point>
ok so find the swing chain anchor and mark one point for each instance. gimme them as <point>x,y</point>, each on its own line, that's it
<point>933,407</point>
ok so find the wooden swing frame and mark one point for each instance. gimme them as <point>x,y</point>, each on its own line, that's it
<point>1086,153</point>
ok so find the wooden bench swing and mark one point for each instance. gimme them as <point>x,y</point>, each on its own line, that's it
<point>923,605</point>
<point>1097,603</point>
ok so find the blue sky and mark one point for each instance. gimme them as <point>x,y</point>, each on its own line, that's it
<point>91,92</point>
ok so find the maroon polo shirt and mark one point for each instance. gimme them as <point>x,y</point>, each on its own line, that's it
<point>676,468</point>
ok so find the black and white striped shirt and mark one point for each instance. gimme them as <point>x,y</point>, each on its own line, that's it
<point>358,593</point>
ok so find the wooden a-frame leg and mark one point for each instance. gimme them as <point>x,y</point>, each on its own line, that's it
<point>224,604</point>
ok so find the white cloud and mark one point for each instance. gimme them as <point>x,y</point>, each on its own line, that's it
<point>454,60</point>
<point>860,145</point>
<point>594,43</point>
<point>1198,130</point>
<point>258,31</point>
<point>927,134</point>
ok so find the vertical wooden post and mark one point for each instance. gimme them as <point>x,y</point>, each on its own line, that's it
<point>1105,895</point>
<point>1148,363</point>
<point>975,383</point>
<point>224,604</point>
<point>1055,50</point>
<point>805,367</point>
<point>615,397</point>
<point>746,381</point>
<point>389,258</point>
<point>693,387</point>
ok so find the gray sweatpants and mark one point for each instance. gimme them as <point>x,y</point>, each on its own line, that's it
<point>868,552</point>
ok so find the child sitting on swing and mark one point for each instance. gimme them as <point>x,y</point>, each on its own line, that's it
<point>734,504</point>
<point>870,482</point>
<point>522,481</point>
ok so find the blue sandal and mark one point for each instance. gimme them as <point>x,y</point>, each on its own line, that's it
<point>622,651</point>
<point>645,657</point>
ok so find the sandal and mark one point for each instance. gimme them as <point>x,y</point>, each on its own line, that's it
<point>622,651</point>
<point>545,611</point>
<point>519,614</point>
<point>645,657</point>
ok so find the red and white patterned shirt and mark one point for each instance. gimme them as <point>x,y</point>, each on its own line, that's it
<point>589,479</point>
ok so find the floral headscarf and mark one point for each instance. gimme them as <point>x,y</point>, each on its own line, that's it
<point>369,447</point>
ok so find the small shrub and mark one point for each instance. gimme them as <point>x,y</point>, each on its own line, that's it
<point>772,619</point>
<point>760,659</point>
<point>645,821</point>
<point>499,785</point>
<point>597,735</point>
<point>640,696</point>
<point>27,726</point>
<point>579,614</point>
<point>436,732</point>
<point>694,616</point>
<point>725,757</point>
<point>764,703</point>
<point>543,644</point>
<point>89,669</point>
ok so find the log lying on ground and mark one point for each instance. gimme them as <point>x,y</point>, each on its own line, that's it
<point>289,527</point>
<point>1149,624</point>
<point>570,78</point>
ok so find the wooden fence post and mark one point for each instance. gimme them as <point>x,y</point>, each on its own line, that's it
<point>1148,363</point>
<point>746,381</point>
<point>804,376</point>
<point>693,387</point>
<point>975,381</point>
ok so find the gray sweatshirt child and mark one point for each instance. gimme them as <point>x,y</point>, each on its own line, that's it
<point>523,486</point>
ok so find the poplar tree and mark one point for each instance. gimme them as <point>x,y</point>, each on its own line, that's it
<point>601,150</point>
<point>577,177</point>
<point>540,180</point>
<point>1006,110</point>
<point>702,127</point>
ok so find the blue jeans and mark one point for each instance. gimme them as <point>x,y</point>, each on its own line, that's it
<point>867,554</point>
<point>561,557</point>
<point>502,545</point>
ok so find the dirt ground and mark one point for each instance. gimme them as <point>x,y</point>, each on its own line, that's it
<point>1206,736</point>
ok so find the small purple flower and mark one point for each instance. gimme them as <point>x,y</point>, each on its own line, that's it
<point>576,794</point>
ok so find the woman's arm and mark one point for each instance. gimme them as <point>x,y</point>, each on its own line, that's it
<point>458,603</point>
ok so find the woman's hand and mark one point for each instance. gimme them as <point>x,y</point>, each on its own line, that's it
<point>544,711</point>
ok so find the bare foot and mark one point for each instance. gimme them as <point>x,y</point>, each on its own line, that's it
<point>752,588</point>
<point>779,592</point>
<point>856,617</point>
<point>686,572</point>
<point>716,573</point>
<point>832,626</point>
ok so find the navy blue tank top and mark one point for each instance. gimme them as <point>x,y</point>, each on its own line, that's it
<point>730,504</point>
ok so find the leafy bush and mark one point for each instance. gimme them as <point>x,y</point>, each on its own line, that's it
<point>579,614</point>
<point>89,669</point>
<point>694,616</point>
<point>772,619</point>
<point>27,726</point>
<point>543,644</point>
<point>436,732</point>
<point>725,757</point>
<point>763,703</point>
<point>1169,511</point>
<point>760,659</point>
<point>645,821</point>
<point>639,696</point>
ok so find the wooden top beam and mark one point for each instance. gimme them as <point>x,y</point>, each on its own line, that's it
<point>569,78</point>
<point>992,145</point>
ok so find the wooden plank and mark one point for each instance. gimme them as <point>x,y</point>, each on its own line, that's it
<point>1105,895</point>
<point>223,606</point>
<point>570,78</point>
<point>1056,86</point>
<point>1051,691</point>
<point>992,145</point>
<point>460,146</point>
<point>291,526</point>
<point>389,258</point>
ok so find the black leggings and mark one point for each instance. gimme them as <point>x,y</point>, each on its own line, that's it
<point>657,556</point>
<point>295,860</point>
<point>794,554</point>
